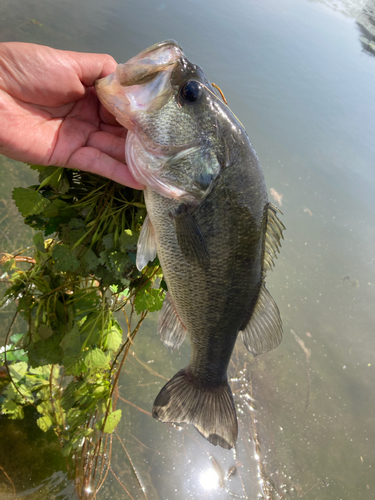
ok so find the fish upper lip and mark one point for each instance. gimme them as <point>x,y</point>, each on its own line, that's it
<point>146,65</point>
<point>157,46</point>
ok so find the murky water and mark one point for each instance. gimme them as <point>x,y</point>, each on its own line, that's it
<point>300,75</point>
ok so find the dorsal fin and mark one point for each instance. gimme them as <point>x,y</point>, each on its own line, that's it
<point>264,331</point>
<point>274,235</point>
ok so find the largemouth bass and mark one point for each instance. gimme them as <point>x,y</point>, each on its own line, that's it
<point>210,223</point>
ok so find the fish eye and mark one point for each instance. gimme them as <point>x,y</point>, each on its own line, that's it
<point>191,91</point>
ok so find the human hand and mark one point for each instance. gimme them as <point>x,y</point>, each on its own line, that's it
<point>50,114</point>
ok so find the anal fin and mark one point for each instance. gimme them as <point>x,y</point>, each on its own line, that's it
<point>146,246</point>
<point>264,331</point>
<point>170,328</point>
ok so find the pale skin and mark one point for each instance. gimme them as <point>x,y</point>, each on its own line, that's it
<point>50,114</point>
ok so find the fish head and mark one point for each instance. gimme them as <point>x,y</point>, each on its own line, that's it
<point>174,117</point>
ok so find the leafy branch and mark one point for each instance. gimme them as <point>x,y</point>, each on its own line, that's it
<point>81,273</point>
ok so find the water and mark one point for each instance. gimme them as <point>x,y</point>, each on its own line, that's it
<point>300,77</point>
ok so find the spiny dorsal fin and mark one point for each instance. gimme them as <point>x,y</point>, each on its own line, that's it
<point>146,246</point>
<point>264,330</point>
<point>172,332</point>
<point>274,234</point>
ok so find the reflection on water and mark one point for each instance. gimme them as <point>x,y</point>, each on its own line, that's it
<point>296,75</point>
<point>363,11</point>
<point>366,23</point>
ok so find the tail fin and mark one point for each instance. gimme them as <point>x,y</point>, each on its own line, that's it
<point>211,411</point>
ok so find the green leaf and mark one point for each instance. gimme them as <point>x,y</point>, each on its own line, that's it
<point>36,222</point>
<point>38,168</point>
<point>29,202</point>
<point>158,299</point>
<point>87,259</point>
<point>163,285</point>
<point>64,260</point>
<point>113,337</point>
<point>110,423</point>
<point>109,241</point>
<point>71,341</point>
<point>44,352</point>
<point>73,231</point>
<point>64,184</point>
<point>119,263</point>
<point>18,370</point>
<point>137,204</point>
<point>16,337</point>
<point>151,299</point>
<point>106,276</point>
<point>73,356</point>
<point>44,423</point>
<point>44,331</point>
<point>128,241</point>
<point>143,301</point>
<point>73,393</point>
<point>39,242</point>
<point>17,355</point>
<point>53,224</point>
<point>96,359</point>
<point>74,365</point>
<point>12,409</point>
<point>92,329</point>
<point>76,418</point>
<point>85,302</point>
<point>44,371</point>
<point>67,449</point>
<point>51,176</point>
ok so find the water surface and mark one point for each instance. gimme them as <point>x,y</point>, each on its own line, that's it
<point>301,78</point>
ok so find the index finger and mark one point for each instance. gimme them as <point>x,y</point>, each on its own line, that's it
<point>93,66</point>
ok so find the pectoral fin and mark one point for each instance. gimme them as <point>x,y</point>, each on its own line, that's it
<point>146,246</point>
<point>190,238</point>
<point>170,328</point>
<point>264,330</point>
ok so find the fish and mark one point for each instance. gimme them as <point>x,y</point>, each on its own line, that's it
<point>209,222</point>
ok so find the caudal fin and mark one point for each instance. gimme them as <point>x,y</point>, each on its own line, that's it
<point>211,411</point>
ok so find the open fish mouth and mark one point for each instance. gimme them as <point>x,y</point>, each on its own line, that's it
<point>140,84</point>
<point>136,92</point>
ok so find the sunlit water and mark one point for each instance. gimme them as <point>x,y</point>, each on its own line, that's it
<point>300,76</point>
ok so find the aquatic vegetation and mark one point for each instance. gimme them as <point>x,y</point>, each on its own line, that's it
<point>68,288</point>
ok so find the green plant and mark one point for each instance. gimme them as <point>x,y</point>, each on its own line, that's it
<point>82,272</point>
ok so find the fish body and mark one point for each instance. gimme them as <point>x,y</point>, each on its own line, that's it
<point>210,223</point>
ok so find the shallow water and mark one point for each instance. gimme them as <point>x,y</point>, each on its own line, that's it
<point>301,78</point>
